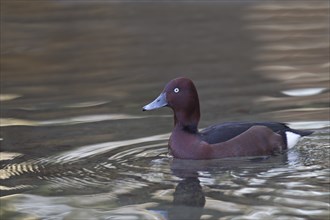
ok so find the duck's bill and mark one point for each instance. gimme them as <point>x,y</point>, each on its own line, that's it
<point>159,102</point>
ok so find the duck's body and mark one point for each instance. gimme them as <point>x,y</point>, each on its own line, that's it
<point>235,139</point>
<point>226,131</point>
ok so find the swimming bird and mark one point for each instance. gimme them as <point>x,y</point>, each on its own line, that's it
<point>232,139</point>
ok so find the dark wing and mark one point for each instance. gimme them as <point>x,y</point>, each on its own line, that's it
<point>226,131</point>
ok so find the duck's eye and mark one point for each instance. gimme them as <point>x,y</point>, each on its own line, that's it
<point>176,90</point>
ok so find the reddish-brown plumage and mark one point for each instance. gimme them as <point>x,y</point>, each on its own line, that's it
<point>227,140</point>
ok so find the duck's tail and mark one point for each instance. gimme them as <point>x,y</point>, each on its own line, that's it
<point>293,136</point>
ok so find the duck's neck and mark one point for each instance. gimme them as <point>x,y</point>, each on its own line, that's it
<point>187,120</point>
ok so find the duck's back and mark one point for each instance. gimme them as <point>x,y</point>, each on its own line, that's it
<point>226,131</point>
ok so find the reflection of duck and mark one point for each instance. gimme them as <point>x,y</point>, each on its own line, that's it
<point>224,140</point>
<point>189,198</point>
<point>188,201</point>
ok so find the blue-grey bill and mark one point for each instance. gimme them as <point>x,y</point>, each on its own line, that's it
<point>159,102</point>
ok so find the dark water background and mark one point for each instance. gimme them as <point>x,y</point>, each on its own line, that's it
<point>75,74</point>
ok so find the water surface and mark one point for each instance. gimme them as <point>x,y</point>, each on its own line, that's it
<point>75,75</point>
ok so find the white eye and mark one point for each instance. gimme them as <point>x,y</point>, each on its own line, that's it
<point>176,90</point>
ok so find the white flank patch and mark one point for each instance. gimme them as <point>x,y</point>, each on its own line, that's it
<point>291,138</point>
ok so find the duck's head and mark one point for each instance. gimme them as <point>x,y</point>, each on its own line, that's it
<point>179,94</point>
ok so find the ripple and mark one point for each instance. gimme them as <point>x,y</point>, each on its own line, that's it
<point>4,122</point>
<point>304,91</point>
<point>289,27</point>
<point>86,104</point>
<point>101,148</point>
<point>17,187</point>
<point>88,119</point>
<point>131,170</point>
<point>309,124</point>
<point>288,47</point>
<point>18,169</point>
<point>88,168</point>
<point>9,155</point>
<point>280,7</point>
<point>8,97</point>
<point>52,106</point>
<point>224,206</point>
<point>276,68</point>
<point>38,206</point>
<point>274,193</point>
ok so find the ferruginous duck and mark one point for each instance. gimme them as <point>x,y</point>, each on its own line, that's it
<point>233,139</point>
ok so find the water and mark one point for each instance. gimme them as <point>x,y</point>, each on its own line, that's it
<point>75,75</point>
